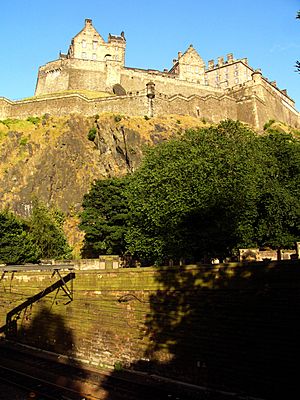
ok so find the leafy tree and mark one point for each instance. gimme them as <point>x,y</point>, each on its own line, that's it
<point>196,196</point>
<point>16,243</point>
<point>214,190</point>
<point>104,218</point>
<point>46,229</point>
<point>278,222</point>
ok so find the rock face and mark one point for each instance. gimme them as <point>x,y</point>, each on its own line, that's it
<point>52,158</point>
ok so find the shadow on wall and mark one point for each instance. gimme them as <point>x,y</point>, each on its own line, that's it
<point>48,331</point>
<point>230,328</point>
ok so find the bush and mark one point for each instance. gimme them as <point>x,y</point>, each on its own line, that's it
<point>33,120</point>
<point>118,118</point>
<point>268,124</point>
<point>23,141</point>
<point>92,134</point>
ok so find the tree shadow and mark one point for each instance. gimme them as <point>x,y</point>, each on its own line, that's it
<point>229,328</point>
<point>48,331</point>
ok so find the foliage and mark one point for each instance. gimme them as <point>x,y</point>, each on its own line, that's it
<point>34,120</point>
<point>118,118</point>
<point>268,124</point>
<point>204,195</point>
<point>16,243</point>
<point>92,134</point>
<point>278,223</point>
<point>217,189</point>
<point>9,121</point>
<point>184,198</point>
<point>23,141</point>
<point>104,218</point>
<point>46,228</point>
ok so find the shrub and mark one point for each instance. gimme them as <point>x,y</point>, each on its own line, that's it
<point>23,141</point>
<point>268,124</point>
<point>92,134</point>
<point>118,118</point>
<point>33,120</point>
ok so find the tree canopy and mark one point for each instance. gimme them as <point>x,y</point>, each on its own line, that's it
<point>46,228</point>
<point>104,218</point>
<point>16,243</point>
<point>202,195</point>
<point>29,240</point>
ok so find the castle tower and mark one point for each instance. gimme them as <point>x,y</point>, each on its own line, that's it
<point>88,44</point>
<point>91,63</point>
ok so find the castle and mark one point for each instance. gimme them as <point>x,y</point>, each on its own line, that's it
<point>230,88</point>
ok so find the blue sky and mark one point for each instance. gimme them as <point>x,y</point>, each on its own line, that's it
<point>267,32</point>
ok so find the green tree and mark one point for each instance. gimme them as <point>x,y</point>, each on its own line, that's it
<point>46,229</point>
<point>196,196</point>
<point>104,218</point>
<point>16,243</point>
<point>278,222</point>
<point>214,190</point>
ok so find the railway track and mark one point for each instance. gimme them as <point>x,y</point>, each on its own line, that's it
<point>48,379</point>
<point>62,381</point>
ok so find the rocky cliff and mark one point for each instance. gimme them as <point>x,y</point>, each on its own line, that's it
<point>52,158</point>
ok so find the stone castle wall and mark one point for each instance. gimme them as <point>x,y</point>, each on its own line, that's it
<point>251,103</point>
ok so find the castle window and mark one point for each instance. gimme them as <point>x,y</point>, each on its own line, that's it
<point>83,54</point>
<point>236,80</point>
<point>83,43</point>
<point>236,73</point>
<point>95,44</point>
<point>94,56</point>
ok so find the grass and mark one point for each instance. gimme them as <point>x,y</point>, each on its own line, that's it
<point>89,94</point>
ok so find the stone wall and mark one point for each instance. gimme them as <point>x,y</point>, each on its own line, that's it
<point>252,103</point>
<point>228,326</point>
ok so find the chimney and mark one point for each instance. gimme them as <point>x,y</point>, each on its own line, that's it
<point>179,54</point>
<point>174,61</point>
<point>220,61</point>
<point>229,57</point>
<point>284,91</point>
<point>88,22</point>
<point>211,64</point>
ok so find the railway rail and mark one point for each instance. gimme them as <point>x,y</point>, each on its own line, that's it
<point>43,378</point>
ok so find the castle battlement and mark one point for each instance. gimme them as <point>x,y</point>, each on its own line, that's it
<point>228,88</point>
